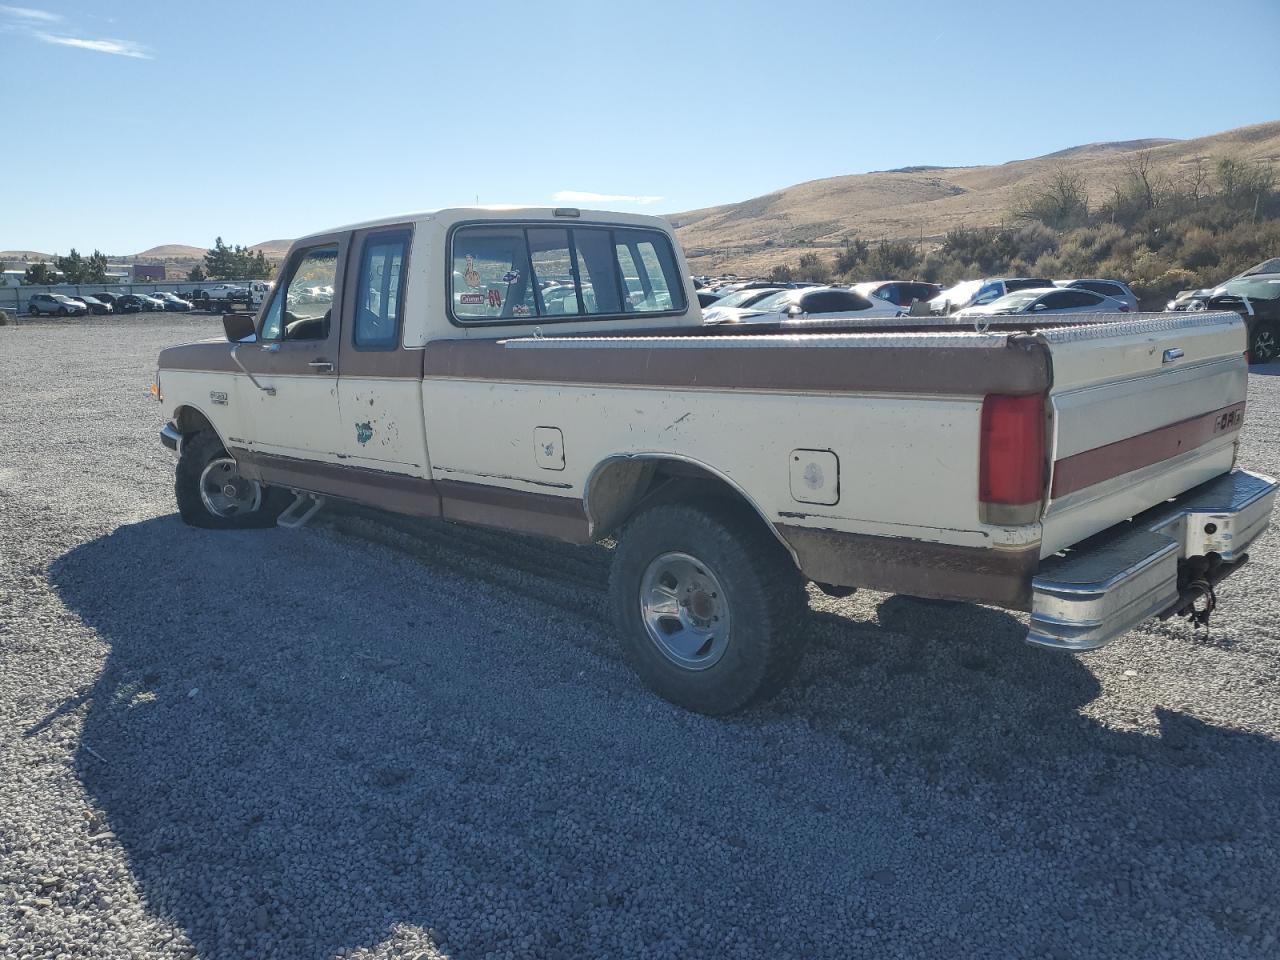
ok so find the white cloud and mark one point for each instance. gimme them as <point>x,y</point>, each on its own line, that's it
<point>586,196</point>
<point>28,13</point>
<point>119,48</point>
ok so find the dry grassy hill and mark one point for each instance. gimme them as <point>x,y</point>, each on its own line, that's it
<point>176,250</point>
<point>756,234</point>
<point>273,249</point>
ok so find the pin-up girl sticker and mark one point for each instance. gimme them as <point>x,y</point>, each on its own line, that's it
<point>470,274</point>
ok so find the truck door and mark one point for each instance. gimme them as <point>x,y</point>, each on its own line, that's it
<point>292,410</point>
<point>380,382</point>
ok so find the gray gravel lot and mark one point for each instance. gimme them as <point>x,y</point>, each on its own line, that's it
<point>377,738</point>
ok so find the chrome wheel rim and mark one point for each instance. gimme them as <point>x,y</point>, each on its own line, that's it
<point>224,492</point>
<point>1264,346</point>
<point>685,610</point>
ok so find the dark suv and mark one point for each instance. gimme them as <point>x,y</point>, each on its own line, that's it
<point>1256,298</point>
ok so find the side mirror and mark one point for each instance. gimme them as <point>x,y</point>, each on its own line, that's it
<point>239,326</point>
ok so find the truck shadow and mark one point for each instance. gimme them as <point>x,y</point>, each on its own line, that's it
<point>306,748</point>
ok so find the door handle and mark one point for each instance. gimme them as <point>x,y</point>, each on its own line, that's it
<point>324,365</point>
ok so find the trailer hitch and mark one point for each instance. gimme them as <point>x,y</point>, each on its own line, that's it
<point>1197,578</point>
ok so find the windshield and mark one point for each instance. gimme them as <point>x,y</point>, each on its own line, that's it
<point>744,297</point>
<point>1253,289</point>
<point>961,293</point>
<point>775,301</point>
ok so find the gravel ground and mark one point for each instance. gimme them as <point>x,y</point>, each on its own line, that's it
<point>374,738</point>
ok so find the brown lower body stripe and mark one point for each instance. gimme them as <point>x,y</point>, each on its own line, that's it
<point>1133,453</point>
<point>560,517</point>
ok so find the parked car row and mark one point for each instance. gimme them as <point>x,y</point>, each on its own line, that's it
<point>734,298</point>
<point>1255,295</point>
<point>62,305</point>
<point>812,303</point>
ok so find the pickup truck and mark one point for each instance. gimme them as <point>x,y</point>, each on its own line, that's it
<point>227,297</point>
<point>547,371</point>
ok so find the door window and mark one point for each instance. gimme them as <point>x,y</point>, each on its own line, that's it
<point>379,292</point>
<point>303,305</point>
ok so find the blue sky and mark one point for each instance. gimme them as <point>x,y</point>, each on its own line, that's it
<point>173,122</point>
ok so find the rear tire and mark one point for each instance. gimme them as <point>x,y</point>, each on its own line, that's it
<point>1264,343</point>
<point>33,311</point>
<point>709,605</point>
<point>204,470</point>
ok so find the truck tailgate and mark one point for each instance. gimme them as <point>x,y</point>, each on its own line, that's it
<point>1140,411</point>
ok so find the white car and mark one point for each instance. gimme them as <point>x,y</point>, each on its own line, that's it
<point>727,307</point>
<point>980,293</point>
<point>1108,288</point>
<point>1045,300</point>
<point>810,303</point>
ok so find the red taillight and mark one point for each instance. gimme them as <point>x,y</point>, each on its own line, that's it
<point>1011,467</point>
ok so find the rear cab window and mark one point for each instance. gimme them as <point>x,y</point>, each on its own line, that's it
<point>553,272</point>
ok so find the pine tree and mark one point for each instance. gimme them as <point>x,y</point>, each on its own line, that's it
<point>72,267</point>
<point>95,268</point>
<point>39,274</point>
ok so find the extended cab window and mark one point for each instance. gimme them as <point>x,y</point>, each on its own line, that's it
<point>378,296</point>
<point>491,276</point>
<point>560,272</point>
<point>303,306</point>
<point>649,271</point>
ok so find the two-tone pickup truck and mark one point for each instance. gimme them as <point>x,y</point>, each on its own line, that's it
<point>547,371</point>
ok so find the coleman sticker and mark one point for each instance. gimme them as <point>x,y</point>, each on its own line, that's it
<point>511,276</point>
<point>476,298</point>
<point>471,275</point>
<point>495,298</point>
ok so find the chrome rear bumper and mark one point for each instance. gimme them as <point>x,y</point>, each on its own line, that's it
<point>1108,584</point>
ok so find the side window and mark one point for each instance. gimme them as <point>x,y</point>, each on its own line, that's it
<point>379,293</point>
<point>1097,286</point>
<point>833,301</point>
<point>1065,299</point>
<point>303,305</point>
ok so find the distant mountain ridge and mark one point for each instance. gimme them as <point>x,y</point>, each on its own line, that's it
<point>923,202</point>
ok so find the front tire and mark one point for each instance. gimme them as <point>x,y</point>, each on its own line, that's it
<point>212,494</point>
<point>709,605</point>
<point>1264,343</point>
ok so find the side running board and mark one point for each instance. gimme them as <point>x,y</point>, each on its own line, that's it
<point>297,514</point>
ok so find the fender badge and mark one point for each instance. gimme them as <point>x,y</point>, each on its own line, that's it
<point>218,397</point>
